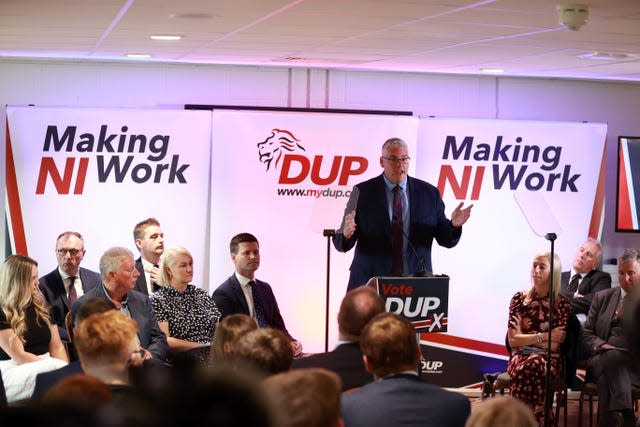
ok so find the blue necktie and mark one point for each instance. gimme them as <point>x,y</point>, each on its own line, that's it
<point>257,306</point>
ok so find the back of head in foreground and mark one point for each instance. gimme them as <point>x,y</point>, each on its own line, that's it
<point>503,411</point>
<point>389,345</point>
<point>357,308</point>
<point>305,398</point>
<point>265,349</point>
<point>227,334</point>
<point>107,345</point>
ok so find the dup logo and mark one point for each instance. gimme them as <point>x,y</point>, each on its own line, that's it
<point>283,151</point>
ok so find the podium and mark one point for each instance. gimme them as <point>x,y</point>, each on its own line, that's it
<point>424,301</point>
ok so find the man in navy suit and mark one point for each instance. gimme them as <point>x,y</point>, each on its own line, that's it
<point>358,307</point>
<point>611,363</point>
<point>57,285</point>
<point>398,396</point>
<point>390,215</point>
<point>240,292</point>
<point>149,239</point>
<point>119,274</point>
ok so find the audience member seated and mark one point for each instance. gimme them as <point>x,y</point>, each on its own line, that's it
<point>68,281</point>
<point>243,293</point>
<point>108,345</point>
<point>580,286</point>
<point>358,307</point>
<point>611,363</point>
<point>502,411</point>
<point>118,273</point>
<point>528,333</point>
<point>149,239</point>
<point>211,397</point>
<point>584,280</point>
<point>264,349</point>
<point>305,398</point>
<point>80,390</point>
<point>398,397</point>
<point>46,380</point>
<point>29,340</point>
<point>186,314</point>
<point>228,331</point>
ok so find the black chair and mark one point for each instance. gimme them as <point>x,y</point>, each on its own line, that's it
<point>589,391</point>
<point>558,386</point>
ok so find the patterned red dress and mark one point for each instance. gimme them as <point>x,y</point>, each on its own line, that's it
<point>528,371</point>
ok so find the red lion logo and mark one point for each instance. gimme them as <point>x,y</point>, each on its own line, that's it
<point>272,148</point>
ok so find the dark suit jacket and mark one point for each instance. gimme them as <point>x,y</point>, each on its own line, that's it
<point>46,380</point>
<point>230,299</point>
<point>52,287</point>
<point>149,333</point>
<point>141,281</point>
<point>594,281</point>
<point>374,254</point>
<point>345,360</point>
<point>597,328</point>
<point>404,400</point>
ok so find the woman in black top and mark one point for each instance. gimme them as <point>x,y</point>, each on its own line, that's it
<point>29,342</point>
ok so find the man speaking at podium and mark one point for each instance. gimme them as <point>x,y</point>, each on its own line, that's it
<point>394,219</point>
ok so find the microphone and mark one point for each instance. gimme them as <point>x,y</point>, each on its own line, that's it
<point>423,272</point>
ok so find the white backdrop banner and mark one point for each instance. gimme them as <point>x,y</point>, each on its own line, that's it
<point>285,177</point>
<point>525,179</point>
<point>99,172</point>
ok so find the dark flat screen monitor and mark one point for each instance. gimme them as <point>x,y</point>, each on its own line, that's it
<point>628,194</point>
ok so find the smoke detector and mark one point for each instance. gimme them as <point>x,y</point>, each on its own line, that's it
<point>573,16</point>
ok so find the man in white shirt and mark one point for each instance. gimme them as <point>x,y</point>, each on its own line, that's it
<point>149,240</point>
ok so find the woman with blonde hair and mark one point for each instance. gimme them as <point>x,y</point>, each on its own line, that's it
<point>186,314</point>
<point>29,341</point>
<point>528,333</point>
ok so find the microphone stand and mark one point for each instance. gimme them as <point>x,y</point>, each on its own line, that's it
<point>551,237</point>
<point>328,233</point>
<point>423,267</point>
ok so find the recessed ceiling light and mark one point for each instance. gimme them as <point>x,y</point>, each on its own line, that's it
<point>492,70</point>
<point>605,56</point>
<point>194,15</point>
<point>138,55</point>
<point>165,37</point>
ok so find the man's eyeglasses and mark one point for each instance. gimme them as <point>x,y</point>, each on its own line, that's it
<point>72,252</point>
<point>398,159</point>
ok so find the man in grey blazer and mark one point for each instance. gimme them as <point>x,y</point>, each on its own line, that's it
<point>398,396</point>
<point>611,362</point>
<point>119,274</point>
<point>68,281</point>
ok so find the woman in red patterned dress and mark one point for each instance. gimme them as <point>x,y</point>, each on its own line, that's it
<point>528,333</point>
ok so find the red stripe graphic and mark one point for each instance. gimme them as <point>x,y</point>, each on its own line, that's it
<point>464,343</point>
<point>624,202</point>
<point>598,203</point>
<point>13,199</point>
<point>427,323</point>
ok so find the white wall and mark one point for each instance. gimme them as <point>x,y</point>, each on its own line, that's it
<point>111,84</point>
